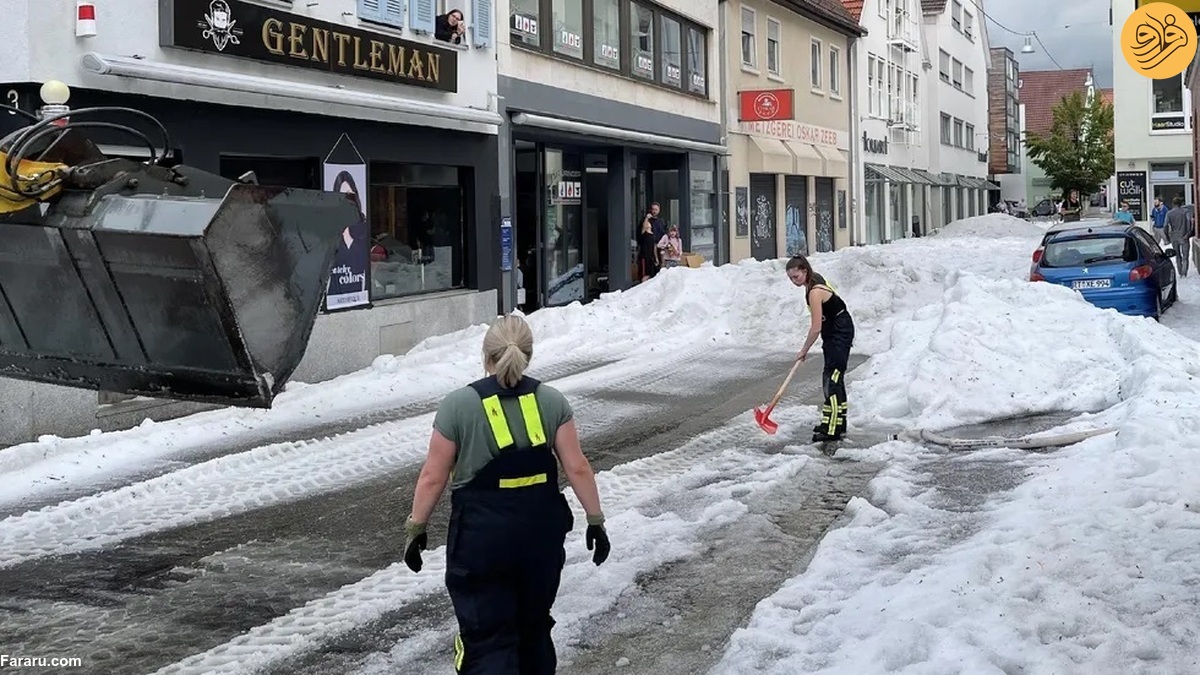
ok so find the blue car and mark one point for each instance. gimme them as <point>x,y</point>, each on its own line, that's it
<point>1113,265</point>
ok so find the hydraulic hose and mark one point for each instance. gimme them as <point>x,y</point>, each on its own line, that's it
<point>1019,443</point>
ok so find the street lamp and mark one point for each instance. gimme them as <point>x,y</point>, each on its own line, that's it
<point>1028,47</point>
<point>55,95</point>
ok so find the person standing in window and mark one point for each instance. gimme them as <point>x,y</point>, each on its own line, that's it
<point>450,27</point>
<point>499,441</point>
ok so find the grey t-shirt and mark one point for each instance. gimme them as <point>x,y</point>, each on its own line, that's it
<point>1177,224</point>
<point>461,419</point>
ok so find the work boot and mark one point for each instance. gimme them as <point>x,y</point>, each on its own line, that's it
<point>823,437</point>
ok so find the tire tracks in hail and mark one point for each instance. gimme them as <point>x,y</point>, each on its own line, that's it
<point>233,484</point>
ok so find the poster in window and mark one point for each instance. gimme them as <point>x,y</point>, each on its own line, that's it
<point>345,171</point>
<point>1131,189</point>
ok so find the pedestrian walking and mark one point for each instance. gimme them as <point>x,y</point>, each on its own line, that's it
<point>508,518</point>
<point>1180,229</point>
<point>832,323</point>
<point>1158,215</point>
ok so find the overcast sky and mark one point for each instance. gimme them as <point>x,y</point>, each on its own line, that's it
<point>1076,33</point>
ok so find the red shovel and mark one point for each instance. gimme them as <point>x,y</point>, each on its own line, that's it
<point>763,417</point>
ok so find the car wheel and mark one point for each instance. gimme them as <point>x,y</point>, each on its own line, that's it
<point>1174,293</point>
<point>1158,306</point>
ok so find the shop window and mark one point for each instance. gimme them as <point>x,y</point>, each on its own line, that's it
<point>697,61</point>
<point>1169,107</point>
<point>672,52</point>
<point>418,216</point>
<point>641,26</point>
<point>606,41</point>
<point>703,229</point>
<point>293,172</point>
<point>568,27</point>
<point>525,22</point>
<point>562,228</point>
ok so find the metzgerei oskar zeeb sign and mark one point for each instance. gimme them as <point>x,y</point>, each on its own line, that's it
<point>243,30</point>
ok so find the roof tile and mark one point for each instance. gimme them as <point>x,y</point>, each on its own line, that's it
<point>1041,90</point>
<point>854,7</point>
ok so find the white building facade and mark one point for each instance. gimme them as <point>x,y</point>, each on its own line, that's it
<point>1153,125</point>
<point>275,88</point>
<point>957,56</point>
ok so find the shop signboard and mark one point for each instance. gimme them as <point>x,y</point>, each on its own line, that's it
<point>274,35</point>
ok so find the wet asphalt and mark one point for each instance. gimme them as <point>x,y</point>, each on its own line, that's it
<point>152,600</point>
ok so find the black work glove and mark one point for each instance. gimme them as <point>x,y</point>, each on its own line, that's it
<point>415,541</point>
<point>597,537</point>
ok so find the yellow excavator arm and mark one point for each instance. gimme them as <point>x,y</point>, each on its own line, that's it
<point>32,176</point>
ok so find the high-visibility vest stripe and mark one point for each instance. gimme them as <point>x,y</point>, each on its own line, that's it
<point>498,422</point>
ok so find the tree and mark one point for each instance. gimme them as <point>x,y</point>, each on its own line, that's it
<point>1077,153</point>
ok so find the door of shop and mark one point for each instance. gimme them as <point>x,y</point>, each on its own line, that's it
<point>764,244</point>
<point>795,195</point>
<point>824,214</point>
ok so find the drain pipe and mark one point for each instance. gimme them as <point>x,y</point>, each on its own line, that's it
<point>1019,443</point>
<point>725,247</point>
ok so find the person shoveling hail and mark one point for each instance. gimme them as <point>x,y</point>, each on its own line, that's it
<point>832,323</point>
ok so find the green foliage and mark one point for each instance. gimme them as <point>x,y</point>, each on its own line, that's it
<point>1077,153</point>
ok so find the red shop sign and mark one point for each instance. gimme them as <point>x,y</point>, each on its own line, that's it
<point>766,105</point>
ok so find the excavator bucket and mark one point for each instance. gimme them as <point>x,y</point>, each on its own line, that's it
<point>163,282</point>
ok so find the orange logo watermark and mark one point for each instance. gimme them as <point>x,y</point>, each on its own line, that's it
<point>1159,40</point>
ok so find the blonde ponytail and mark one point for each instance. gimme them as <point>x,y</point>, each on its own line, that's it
<point>507,349</point>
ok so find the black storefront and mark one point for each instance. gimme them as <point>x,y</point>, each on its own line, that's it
<point>431,194</point>
<point>584,172</point>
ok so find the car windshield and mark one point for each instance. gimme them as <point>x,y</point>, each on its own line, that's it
<point>1089,251</point>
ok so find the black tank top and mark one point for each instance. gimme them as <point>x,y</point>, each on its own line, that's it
<point>834,305</point>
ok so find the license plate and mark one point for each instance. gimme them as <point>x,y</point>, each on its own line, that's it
<point>1085,284</point>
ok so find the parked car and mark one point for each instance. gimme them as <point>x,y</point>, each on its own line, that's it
<point>1113,265</point>
<point>1043,209</point>
<point>1015,209</point>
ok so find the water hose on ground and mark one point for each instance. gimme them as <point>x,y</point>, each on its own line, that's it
<point>1019,443</point>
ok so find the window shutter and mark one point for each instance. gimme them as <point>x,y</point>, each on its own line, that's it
<point>370,10</point>
<point>393,12</point>
<point>481,20</point>
<point>421,14</point>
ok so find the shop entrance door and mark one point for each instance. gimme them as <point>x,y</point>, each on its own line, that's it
<point>795,194</point>
<point>764,243</point>
<point>824,214</point>
<point>527,173</point>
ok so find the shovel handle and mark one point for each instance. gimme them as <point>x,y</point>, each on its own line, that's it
<point>783,387</point>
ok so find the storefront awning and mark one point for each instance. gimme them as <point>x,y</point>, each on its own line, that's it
<point>911,176</point>
<point>932,178</point>
<point>881,172</point>
<point>769,155</point>
<point>989,185</point>
<point>836,165</point>
<point>973,183</point>
<point>809,162</point>
<point>601,131</point>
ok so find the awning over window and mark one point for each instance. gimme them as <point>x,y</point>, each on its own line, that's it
<point>911,176</point>
<point>933,178</point>
<point>809,162</point>
<point>989,185</point>
<point>836,165</point>
<point>768,155</point>
<point>881,172</point>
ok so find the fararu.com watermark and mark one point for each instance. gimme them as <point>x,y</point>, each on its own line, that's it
<point>13,661</point>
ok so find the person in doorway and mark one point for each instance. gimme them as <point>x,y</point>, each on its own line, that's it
<point>671,248</point>
<point>1071,209</point>
<point>1124,215</point>
<point>657,227</point>
<point>647,256</point>
<point>508,519</point>
<point>832,323</point>
<point>1158,216</point>
<point>1180,230</point>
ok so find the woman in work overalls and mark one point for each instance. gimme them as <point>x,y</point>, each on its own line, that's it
<point>501,439</point>
<point>831,321</point>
